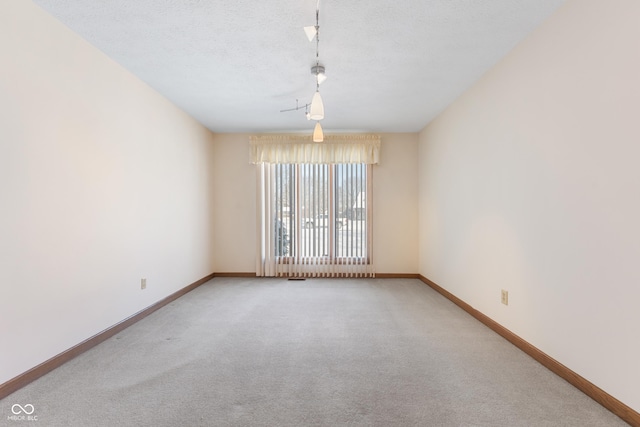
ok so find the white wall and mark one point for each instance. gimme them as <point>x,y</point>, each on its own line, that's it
<point>235,197</point>
<point>530,183</point>
<point>395,204</point>
<point>102,182</point>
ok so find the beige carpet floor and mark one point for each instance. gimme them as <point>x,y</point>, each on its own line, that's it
<point>272,352</point>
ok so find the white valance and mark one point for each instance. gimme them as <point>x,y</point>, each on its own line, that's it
<point>295,149</point>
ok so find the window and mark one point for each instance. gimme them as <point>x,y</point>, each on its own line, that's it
<point>313,205</point>
<point>322,219</point>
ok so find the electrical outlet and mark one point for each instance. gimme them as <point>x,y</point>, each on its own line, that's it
<point>143,283</point>
<point>504,297</point>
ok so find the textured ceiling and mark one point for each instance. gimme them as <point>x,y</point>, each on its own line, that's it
<point>392,66</point>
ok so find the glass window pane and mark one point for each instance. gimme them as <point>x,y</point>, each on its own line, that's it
<point>318,206</point>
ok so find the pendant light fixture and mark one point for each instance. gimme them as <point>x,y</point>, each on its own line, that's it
<point>316,112</point>
<point>315,109</point>
<point>311,32</point>
<point>318,134</point>
<point>317,106</point>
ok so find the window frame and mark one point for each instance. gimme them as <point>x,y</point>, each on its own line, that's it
<point>296,231</point>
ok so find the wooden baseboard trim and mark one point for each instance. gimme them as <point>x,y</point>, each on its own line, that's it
<point>596,393</point>
<point>378,275</point>
<point>396,276</point>
<point>232,274</point>
<point>32,374</point>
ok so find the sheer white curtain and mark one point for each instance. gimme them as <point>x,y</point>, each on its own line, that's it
<point>287,245</point>
<point>265,250</point>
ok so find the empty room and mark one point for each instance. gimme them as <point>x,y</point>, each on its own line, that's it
<point>319,213</point>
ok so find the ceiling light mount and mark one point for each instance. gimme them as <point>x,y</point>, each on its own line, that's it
<point>318,71</point>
